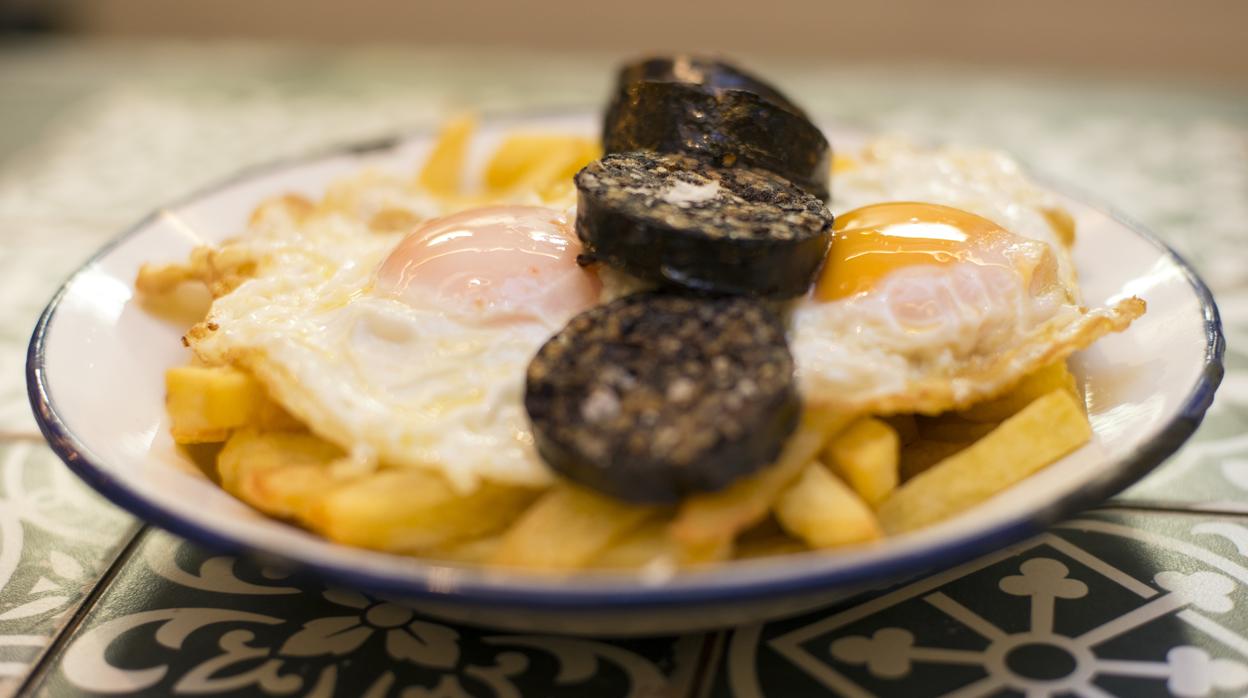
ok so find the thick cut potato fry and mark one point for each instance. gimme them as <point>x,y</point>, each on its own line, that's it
<point>865,455</point>
<point>534,161</point>
<point>953,428</point>
<point>278,473</point>
<point>477,551</point>
<point>1032,387</point>
<point>706,523</point>
<point>823,511</point>
<point>567,528</point>
<point>443,172</point>
<point>648,544</point>
<point>921,455</point>
<point>205,403</point>
<point>1042,432</point>
<point>411,511</point>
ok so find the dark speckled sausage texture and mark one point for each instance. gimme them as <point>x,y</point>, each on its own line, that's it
<point>723,127</point>
<point>660,395</point>
<point>675,219</point>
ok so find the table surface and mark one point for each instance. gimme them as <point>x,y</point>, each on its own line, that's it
<point>1146,595</point>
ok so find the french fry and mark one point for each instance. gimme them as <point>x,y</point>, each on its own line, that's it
<point>921,455</point>
<point>567,528</point>
<point>823,511</point>
<point>706,523</point>
<point>537,160</point>
<point>865,455</point>
<point>477,551</point>
<point>411,511</point>
<point>953,428</point>
<point>278,473</point>
<point>206,402</point>
<point>1033,386</point>
<point>443,171</point>
<point>1042,432</point>
<point>647,544</point>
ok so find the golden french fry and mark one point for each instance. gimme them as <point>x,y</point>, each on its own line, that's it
<point>279,473</point>
<point>953,428</point>
<point>537,160</point>
<point>706,524</point>
<point>905,426</point>
<point>567,528</point>
<point>921,455</point>
<point>1032,387</point>
<point>865,455</point>
<point>647,544</point>
<point>477,551</point>
<point>443,171</point>
<point>411,511</point>
<point>1041,433</point>
<point>823,511</point>
<point>206,402</point>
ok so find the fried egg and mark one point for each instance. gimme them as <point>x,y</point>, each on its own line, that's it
<point>408,351</point>
<point>949,278</point>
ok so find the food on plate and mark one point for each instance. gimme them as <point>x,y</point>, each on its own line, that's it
<point>866,455</point>
<point>825,512</point>
<point>667,356</point>
<point>723,127</point>
<point>1042,432</point>
<point>708,73</point>
<point>677,220</point>
<point>657,396</point>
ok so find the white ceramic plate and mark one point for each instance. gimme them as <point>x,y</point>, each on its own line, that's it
<point>95,375</point>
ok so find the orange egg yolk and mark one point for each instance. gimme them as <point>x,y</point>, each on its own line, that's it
<point>493,264</point>
<point>869,243</point>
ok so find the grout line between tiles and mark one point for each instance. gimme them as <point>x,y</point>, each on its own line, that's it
<point>708,664</point>
<point>1154,507</point>
<point>43,665</point>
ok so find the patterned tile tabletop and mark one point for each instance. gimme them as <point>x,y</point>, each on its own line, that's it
<point>1147,595</point>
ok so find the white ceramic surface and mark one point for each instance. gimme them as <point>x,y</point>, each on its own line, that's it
<point>96,382</point>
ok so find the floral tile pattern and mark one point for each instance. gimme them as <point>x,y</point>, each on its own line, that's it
<point>1109,604</point>
<point>56,539</point>
<point>179,620</point>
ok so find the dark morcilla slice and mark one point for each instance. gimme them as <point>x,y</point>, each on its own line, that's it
<point>675,219</point>
<point>724,126</point>
<point>704,71</point>
<point>660,395</point>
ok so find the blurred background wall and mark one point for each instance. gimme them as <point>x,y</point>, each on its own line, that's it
<point>1196,38</point>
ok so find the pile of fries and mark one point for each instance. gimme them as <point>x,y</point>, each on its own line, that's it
<point>841,480</point>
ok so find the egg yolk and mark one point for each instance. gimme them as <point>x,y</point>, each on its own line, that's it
<point>493,264</point>
<point>870,242</point>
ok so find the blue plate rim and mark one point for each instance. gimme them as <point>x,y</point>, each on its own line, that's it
<point>537,592</point>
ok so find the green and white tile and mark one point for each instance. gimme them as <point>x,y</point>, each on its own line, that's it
<point>56,540</point>
<point>178,620</point>
<point>1107,604</point>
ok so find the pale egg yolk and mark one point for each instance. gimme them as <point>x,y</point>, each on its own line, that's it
<point>869,243</point>
<point>493,264</point>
